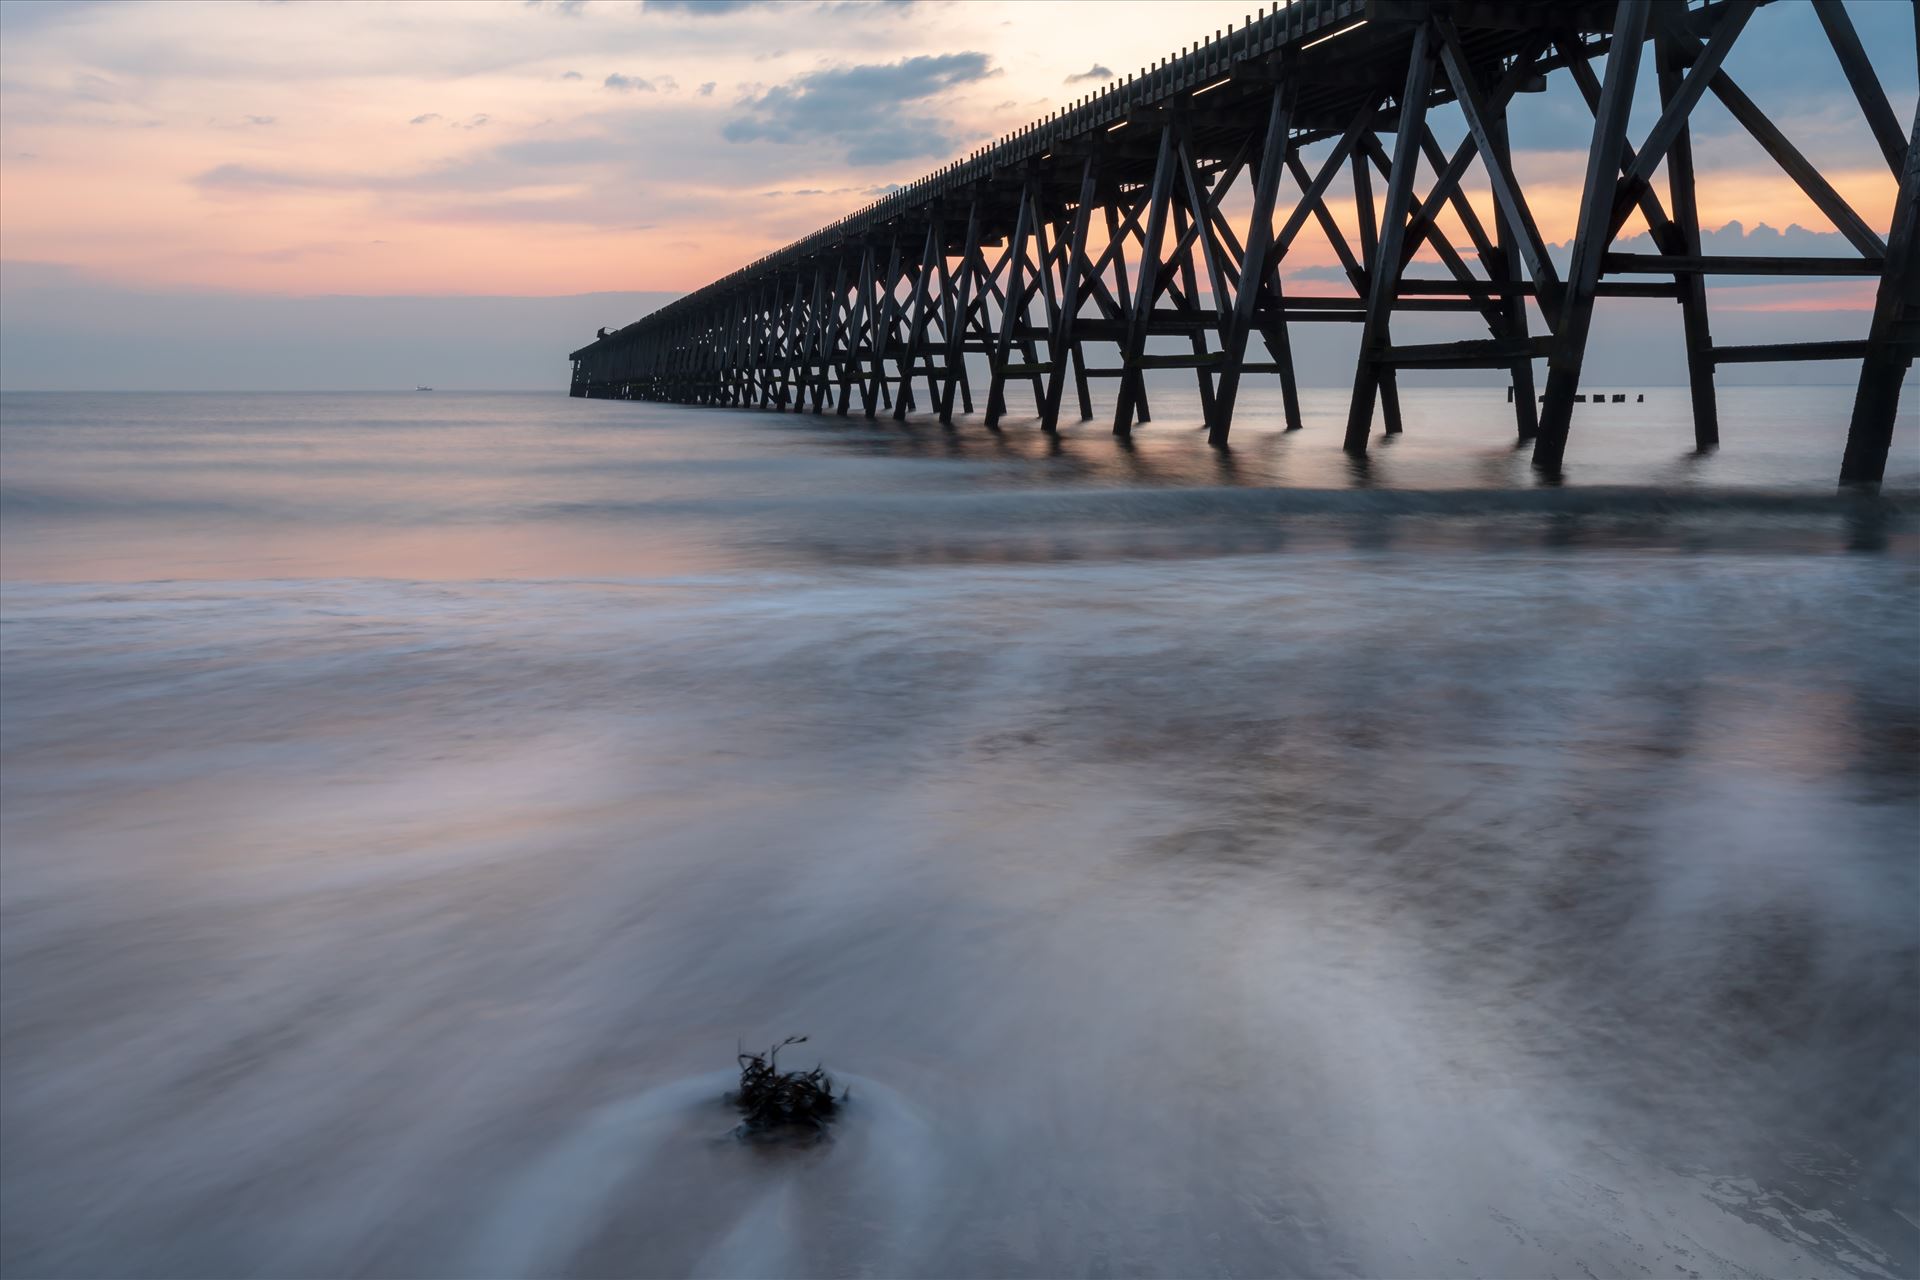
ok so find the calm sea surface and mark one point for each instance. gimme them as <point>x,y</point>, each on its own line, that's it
<point>1199,865</point>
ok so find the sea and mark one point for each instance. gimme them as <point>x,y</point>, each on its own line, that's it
<point>1190,863</point>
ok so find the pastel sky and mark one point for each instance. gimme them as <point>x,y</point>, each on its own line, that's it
<point>434,148</point>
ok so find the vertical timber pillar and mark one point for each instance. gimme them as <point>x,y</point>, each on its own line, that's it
<point>1692,285</point>
<point>1062,347</point>
<point>1590,240</point>
<point>1013,312</point>
<point>1383,277</point>
<point>1254,266</point>
<point>1526,411</point>
<point>1891,339</point>
<point>962,313</point>
<point>1147,288</point>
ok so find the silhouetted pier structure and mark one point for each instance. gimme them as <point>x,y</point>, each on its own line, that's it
<point>1058,252</point>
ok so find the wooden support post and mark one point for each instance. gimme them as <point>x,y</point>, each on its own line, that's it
<point>1044,267</point>
<point>1199,213</point>
<point>1081,391</point>
<point>1692,286</point>
<point>1013,314</point>
<point>855,331</point>
<point>1146,286</point>
<point>1678,100</point>
<point>816,350</point>
<point>1254,267</point>
<point>1892,340</point>
<point>962,312</point>
<point>1384,272</point>
<point>942,395</point>
<point>1514,307</point>
<point>833,370</point>
<point>789,326</point>
<point>867,333</point>
<point>1116,253</point>
<point>1359,275</point>
<point>917,323</point>
<point>1062,342</point>
<point>884,325</point>
<point>1506,189</point>
<point>1592,236</point>
<point>1189,300</point>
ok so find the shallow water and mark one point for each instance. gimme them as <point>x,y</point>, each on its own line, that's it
<point>409,804</point>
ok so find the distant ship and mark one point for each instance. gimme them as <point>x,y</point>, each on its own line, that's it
<point>423,388</point>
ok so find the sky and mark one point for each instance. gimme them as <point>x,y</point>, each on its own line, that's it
<point>189,184</point>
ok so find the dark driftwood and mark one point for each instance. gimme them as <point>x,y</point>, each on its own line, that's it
<point>772,1100</point>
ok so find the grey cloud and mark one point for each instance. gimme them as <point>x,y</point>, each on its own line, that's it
<point>544,152</point>
<point>246,177</point>
<point>259,119</point>
<point>88,87</point>
<point>572,75</point>
<point>565,8</point>
<point>1095,72</point>
<point>628,84</point>
<point>428,118</point>
<point>860,108</point>
<point>706,90</point>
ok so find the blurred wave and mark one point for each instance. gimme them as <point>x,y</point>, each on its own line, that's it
<point>404,815</point>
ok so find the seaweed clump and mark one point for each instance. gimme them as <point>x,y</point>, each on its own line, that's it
<point>773,1101</point>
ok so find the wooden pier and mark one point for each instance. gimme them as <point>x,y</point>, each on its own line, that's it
<point>1159,207</point>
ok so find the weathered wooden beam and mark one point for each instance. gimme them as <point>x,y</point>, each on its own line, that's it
<point>1185,360</point>
<point>1388,377</point>
<point>1894,338</point>
<point>1692,285</point>
<point>1186,294</point>
<point>1013,313</point>
<point>1739,265</point>
<point>1255,265</point>
<point>1515,325</point>
<point>1767,352</point>
<point>1864,83</point>
<point>917,323</point>
<point>1147,288</point>
<point>1757,123</point>
<point>1062,341</point>
<point>1385,268</point>
<point>1592,235</point>
<point>1506,190</point>
<point>1483,353</point>
<point>1678,101</point>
